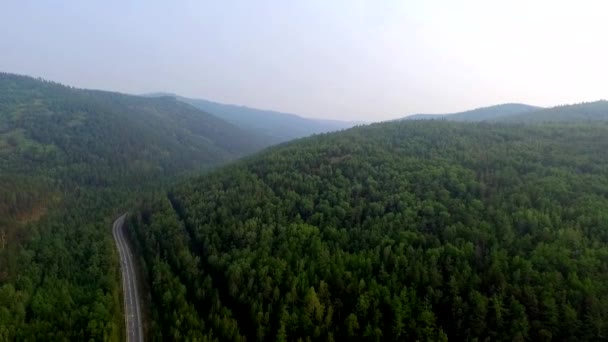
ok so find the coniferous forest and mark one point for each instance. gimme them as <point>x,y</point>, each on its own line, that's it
<point>72,160</point>
<point>303,171</point>
<point>419,230</point>
<point>413,230</point>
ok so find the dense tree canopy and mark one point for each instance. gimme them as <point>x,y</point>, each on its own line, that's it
<point>582,112</point>
<point>491,113</point>
<point>397,231</point>
<point>70,161</point>
<point>400,231</point>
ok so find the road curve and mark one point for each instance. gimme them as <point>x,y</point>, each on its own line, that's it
<point>129,283</point>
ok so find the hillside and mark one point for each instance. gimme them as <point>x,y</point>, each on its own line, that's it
<point>518,113</point>
<point>480,114</point>
<point>94,138</point>
<point>276,126</point>
<point>583,112</point>
<point>412,230</point>
<point>70,159</point>
<point>38,116</point>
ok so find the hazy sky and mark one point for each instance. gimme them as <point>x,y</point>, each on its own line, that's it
<point>351,59</point>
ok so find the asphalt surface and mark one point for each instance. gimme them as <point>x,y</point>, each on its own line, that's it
<point>129,283</point>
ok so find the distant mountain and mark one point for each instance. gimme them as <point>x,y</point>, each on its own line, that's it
<point>277,126</point>
<point>521,113</point>
<point>589,111</point>
<point>479,114</point>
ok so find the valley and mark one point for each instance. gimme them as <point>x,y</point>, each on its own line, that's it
<point>72,160</point>
<point>208,171</point>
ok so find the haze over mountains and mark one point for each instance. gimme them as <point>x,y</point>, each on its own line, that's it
<point>276,126</point>
<point>584,112</point>
<point>479,114</point>
<point>522,113</point>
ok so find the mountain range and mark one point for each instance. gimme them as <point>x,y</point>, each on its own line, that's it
<point>479,114</point>
<point>489,228</point>
<point>275,126</point>
<point>522,113</point>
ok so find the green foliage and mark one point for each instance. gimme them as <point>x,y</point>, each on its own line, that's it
<point>102,139</point>
<point>401,231</point>
<point>70,160</point>
<point>520,113</point>
<point>480,114</point>
<point>587,111</point>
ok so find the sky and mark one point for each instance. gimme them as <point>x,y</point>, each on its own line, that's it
<point>340,59</point>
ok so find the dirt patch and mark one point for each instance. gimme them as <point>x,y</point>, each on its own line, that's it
<point>35,214</point>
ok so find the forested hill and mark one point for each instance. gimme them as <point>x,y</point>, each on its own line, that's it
<point>70,159</point>
<point>414,230</point>
<point>53,124</point>
<point>276,126</point>
<point>94,138</point>
<point>582,112</point>
<point>480,114</point>
<point>518,113</point>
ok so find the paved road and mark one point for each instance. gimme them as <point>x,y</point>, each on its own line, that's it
<point>129,283</point>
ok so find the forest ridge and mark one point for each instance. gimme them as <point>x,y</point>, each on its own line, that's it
<point>492,228</point>
<point>414,230</point>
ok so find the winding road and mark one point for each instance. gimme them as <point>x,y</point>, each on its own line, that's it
<point>133,319</point>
